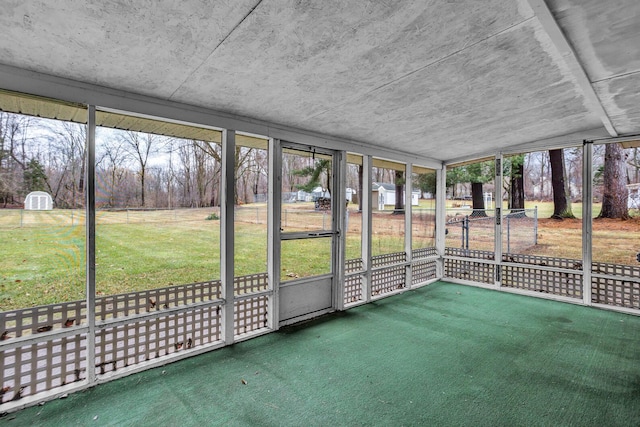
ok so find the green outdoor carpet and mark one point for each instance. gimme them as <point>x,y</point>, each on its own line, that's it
<point>441,355</point>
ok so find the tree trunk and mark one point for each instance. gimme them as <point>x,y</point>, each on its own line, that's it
<point>477,198</point>
<point>561,205</point>
<point>399,207</point>
<point>516,198</point>
<point>142,177</point>
<point>615,192</point>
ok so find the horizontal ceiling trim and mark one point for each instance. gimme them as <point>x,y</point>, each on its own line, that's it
<point>58,88</point>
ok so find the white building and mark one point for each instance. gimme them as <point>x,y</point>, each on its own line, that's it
<point>38,201</point>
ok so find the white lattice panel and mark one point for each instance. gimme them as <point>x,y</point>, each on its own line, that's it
<point>28,321</point>
<point>251,284</point>
<point>387,280</point>
<point>475,271</point>
<point>421,271</point>
<point>353,289</point>
<point>387,259</point>
<point>124,345</point>
<point>617,292</point>
<point>540,280</point>
<point>424,253</point>
<point>42,366</point>
<point>151,300</point>
<point>353,265</point>
<point>543,261</point>
<point>251,314</point>
<point>469,253</point>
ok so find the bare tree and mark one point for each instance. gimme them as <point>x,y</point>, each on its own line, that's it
<point>141,146</point>
<point>111,165</point>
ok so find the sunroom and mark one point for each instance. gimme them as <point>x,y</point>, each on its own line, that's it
<point>219,172</point>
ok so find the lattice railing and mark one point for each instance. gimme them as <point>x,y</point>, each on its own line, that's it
<point>28,321</point>
<point>387,259</point>
<point>251,284</point>
<point>475,271</point>
<point>617,292</point>
<point>387,280</point>
<point>544,261</point>
<point>120,346</point>
<point>353,265</point>
<point>353,289</point>
<point>421,271</point>
<point>424,253</point>
<point>541,280</point>
<point>469,253</point>
<point>251,314</point>
<point>615,269</point>
<point>131,303</point>
<point>34,368</point>
<point>621,292</point>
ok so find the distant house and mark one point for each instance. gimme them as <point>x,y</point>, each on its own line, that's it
<point>383,194</point>
<point>38,201</point>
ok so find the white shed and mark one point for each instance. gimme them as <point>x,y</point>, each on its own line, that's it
<point>38,201</point>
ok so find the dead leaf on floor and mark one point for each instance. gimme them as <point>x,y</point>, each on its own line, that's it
<point>243,381</point>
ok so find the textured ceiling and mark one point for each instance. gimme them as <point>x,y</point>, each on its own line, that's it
<point>437,79</point>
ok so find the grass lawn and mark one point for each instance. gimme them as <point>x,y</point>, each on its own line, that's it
<point>42,258</point>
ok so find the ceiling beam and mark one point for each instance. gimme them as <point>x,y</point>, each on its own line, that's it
<point>553,30</point>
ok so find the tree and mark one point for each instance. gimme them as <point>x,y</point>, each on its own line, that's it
<point>319,176</point>
<point>35,178</point>
<point>426,182</point>
<point>399,182</point>
<point>615,192</point>
<point>140,147</point>
<point>514,169</point>
<point>478,174</point>
<point>561,195</point>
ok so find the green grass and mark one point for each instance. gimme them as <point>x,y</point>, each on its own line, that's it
<point>43,261</point>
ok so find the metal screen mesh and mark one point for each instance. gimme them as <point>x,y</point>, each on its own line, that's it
<point>388,280</point>
<point>41,366</point>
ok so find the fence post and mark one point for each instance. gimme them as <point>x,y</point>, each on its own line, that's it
<point>21,217</point>
<point>508,234</point>
<point>468,232</point>
<point>535,225</point>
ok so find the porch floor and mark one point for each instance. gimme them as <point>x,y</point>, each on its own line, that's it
<point>444,354</point>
